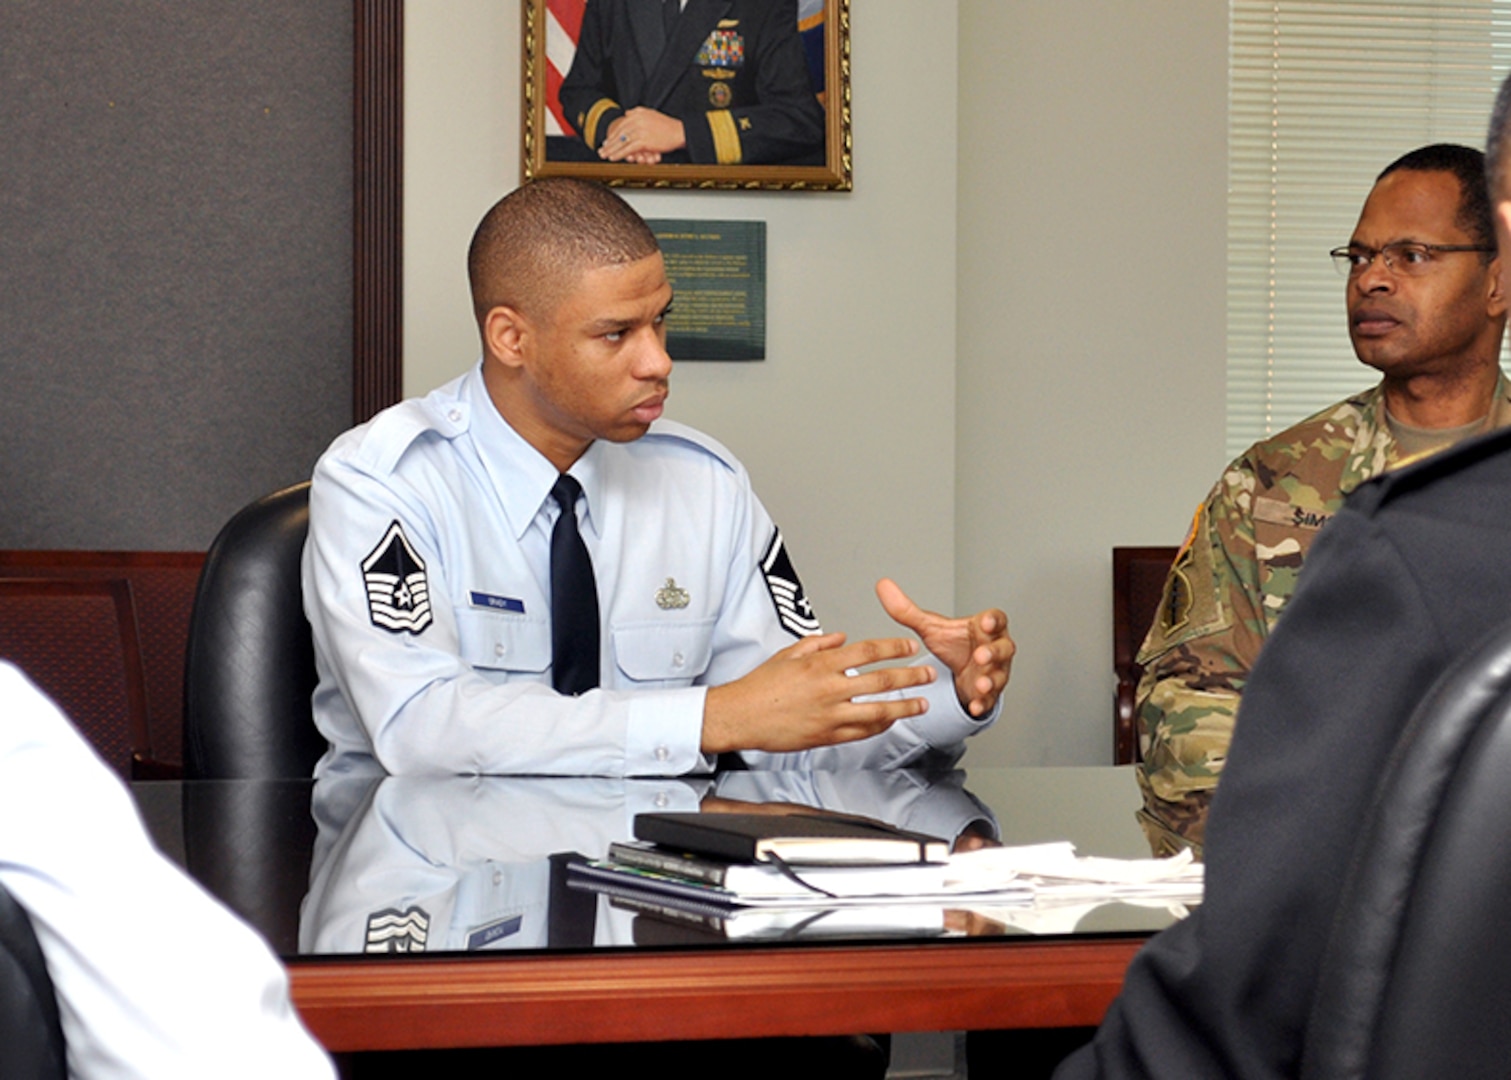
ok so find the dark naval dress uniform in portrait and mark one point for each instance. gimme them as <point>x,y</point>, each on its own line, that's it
<point>733,71</point>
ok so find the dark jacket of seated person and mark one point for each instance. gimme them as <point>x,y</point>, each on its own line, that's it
<point>1412,575</point>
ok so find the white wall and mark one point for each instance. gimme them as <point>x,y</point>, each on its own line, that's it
<point>848,425</point>
<point>1092,158</point>
<point>461,154</point>
<point>988,445</point>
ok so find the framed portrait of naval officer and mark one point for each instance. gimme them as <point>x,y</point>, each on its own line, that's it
<point>733,94</point>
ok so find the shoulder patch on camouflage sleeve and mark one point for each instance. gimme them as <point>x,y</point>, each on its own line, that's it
<point>1189,606</point>
<point>1175,605</point>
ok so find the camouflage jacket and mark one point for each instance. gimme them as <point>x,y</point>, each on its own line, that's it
<point>1228,586</point>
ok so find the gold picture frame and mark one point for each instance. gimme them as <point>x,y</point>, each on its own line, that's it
<point>714,35</point>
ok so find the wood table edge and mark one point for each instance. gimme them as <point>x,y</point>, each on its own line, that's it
<point>627,997</point>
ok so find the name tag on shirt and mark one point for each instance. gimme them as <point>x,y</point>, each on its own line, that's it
<point>484,936</point>
<point>497,603</point>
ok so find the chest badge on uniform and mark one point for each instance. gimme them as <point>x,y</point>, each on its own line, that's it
<point>398,592</point>
<point>719,95</point>
<point>671,597</point>
<point>395,931</point>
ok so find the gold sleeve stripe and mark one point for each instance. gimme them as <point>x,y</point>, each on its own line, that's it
<point>726,137</point>
<point>595,114</point>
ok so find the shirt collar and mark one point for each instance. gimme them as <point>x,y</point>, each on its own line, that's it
<point>520,473</point>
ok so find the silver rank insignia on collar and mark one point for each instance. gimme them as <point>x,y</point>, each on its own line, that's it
<point>669,596</point>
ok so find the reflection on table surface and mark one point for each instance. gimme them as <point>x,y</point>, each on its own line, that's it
<point>373,864</point>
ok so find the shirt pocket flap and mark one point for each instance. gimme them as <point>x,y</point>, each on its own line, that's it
<point>503,642</point>
<point>657,651</point>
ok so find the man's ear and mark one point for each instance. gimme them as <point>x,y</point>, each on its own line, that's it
<point>1496,297</point>
<point>1499,265</point>
<point>506,335</point>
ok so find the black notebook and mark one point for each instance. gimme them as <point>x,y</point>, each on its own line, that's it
<point>793,838</point>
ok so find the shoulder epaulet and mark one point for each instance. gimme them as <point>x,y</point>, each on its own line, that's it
<point>378,445</point>
<point>671,431</point>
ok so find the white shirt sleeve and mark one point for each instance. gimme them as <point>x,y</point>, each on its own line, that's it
<point>154,978</point>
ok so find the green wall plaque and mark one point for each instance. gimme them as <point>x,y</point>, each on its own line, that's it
<point>718,275</point>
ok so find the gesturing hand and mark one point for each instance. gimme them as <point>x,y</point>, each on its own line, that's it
<point>977,650</point>
<point>802,696</point>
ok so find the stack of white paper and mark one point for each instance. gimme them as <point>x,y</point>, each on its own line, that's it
<point>1055,871</point>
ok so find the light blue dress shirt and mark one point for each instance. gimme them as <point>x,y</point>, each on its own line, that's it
<point>451,864</point>
<point>427,586</point>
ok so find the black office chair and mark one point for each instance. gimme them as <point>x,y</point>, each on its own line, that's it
<point>31,1036</point>
<point>250,667</point>
<point>248,677</point>
<point>1416,979</point>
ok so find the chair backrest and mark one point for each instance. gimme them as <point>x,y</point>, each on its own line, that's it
<point>162,587</point>
<point>243,843</point>
<point>31,1035</point>
<point>1138,582</point>
<point>77,641</point>
<point>1416,978</point>
<point>250,668</point>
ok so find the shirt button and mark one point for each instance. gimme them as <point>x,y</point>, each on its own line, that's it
<point>678,659</point>
<point>662,800</point>
<point>662,753</point>
<point>455,416</point>
<point>499,650</point>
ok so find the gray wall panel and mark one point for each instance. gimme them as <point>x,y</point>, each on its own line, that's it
<point>175,262</point>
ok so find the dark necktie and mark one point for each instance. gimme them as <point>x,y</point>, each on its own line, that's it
<point>574,598</point>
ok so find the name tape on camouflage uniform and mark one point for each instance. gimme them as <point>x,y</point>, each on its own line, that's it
<point>1280,512</point>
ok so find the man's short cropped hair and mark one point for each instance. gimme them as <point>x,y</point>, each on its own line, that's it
<point>1468,165</point>
<point>530,249</point>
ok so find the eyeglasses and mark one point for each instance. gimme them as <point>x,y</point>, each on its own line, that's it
<point>1405,257</point>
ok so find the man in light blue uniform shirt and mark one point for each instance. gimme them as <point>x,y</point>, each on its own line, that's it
<point>454,864</point>
<point>427,573</point>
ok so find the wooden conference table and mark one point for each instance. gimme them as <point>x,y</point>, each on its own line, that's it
<point>446,866</point>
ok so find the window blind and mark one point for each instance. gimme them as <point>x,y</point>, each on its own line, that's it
<point>1322,96</point>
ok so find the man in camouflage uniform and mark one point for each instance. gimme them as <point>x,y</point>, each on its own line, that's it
<point>1425,308</point>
